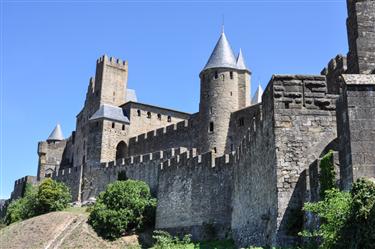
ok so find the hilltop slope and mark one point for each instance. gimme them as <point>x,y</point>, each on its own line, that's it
<point>58,230</point>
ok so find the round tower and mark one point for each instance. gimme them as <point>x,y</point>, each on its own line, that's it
<point>225,88</point>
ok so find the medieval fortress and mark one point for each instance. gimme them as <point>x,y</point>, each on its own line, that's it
<point>238,167</point>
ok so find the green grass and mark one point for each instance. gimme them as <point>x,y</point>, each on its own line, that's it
<point>77,210</point>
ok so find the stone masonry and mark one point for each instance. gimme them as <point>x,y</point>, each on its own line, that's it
<point>233,169</point>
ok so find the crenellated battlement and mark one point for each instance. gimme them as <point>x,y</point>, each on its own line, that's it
<point>112,61</point>
<point>302,92</point>
<point>336,65</point>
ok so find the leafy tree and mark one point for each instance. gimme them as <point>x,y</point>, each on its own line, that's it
<point>123,206</point>
<point>52,196</point>
<point>347,219</point>
<point>327,173</point>
<point>22,208</point>
<point>49,196</point>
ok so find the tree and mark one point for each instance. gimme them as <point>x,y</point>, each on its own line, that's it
<point>123,206</point>
<point>52,196</point>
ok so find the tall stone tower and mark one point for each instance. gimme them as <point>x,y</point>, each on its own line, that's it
<point>361,36</point>
<point>111,80</point>
<point>225,88</point>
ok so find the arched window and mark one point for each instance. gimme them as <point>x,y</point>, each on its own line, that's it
<point>169,119</point>
<point>148,114</point>
<point>121,150</point>
<point>139,113</point>
<point>159,116</point>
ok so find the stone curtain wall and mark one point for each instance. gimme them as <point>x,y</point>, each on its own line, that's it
<point>361,33</point>
<point>71,177</point>
<point>335,68</point>
<point>50,157</point>
<point>254,191</point>
<point>356,121</point>
<point>142,167</point>
<point>305,124</point>
<point>194,196</point>
<point>20,185</point>
<point>181,134</point>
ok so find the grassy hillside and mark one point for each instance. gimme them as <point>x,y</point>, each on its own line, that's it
<point>68,229</point>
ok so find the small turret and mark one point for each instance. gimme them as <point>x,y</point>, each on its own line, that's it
<point>257,98</point>
<point>56,134</point>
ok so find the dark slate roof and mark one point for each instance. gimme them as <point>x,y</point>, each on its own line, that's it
<point>222,55</point>
<point>111,112</point>
<point>56,134</point>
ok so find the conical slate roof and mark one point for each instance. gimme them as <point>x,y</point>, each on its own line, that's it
<point>241,61</point>
<point>222,55</point>
<point>257,98</point>
<point>56,134</point>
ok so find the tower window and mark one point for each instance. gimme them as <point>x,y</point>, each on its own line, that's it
<point>231,93</point>
<point>169,119</point>
<point>215,150</point>
<point>139,113</point>
<point>97,124</point>
<point>123,127</point>
<point>231,75</point>
<point>210,110</point>
<point>211,126</point>
<point>113,124</point>
<point>159,116</point>
<point>216,75</point>
<point>114,93</point>
<point>241,122</point>
<point>148,114</point>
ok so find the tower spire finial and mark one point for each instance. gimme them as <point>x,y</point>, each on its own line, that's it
<point>222,25</point>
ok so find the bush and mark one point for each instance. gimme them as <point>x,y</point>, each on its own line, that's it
<point>52,196</point>
<point>163,240</point>
<point>47,197</point>
<point>327,173</point>
<point>347,219</point>
<point>122,207</point>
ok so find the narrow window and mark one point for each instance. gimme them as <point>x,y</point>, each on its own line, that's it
<point>287,105</point>
<point>169,119</point>
<point>159,116</point>
<point>139,113</point>
<point>123,127</point>
<point>211,126</point>
<point>114,93</point>
<point>241,122</point>
<point>215,150</point>
<point>97,124</point>
<point>216,75</point>
<point>231,93</point>
<point>231,75</point>
<point>210,110</point>
<point>83,159</point>
<point>148,114</point>
<point>113,124</point>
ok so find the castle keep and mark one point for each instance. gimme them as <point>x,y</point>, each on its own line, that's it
<point>238,168</point>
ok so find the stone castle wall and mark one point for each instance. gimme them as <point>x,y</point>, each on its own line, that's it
<point>20,185</point>
<point>194,193</point>
<point>356,119</point>
<point>141,167</point>
<point>71,177</point>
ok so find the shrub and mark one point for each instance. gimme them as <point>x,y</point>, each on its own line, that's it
<point>327,173</point>
<point>347,219</point>
<point>163,240</point>
<point>122,207</point>
<point>22,208</point>
<point>47,197</point>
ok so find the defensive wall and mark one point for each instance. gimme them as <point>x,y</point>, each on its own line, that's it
<point>20,185</point>
<point>194,194</point>
<point>181,134</point>
<point>142,167</point>
<point>356,122</point>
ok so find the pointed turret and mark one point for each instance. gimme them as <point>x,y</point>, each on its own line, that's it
<point>240,63</point>
<point>56,134</point>
<point>257,98</point>
<point>222,56</point>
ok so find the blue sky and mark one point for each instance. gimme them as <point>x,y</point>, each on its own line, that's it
<point>49,50</point>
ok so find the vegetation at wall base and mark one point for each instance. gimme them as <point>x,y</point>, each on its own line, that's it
<point>124,207</point>
<point>327,173</point>
<point>47,197</point>
<point>347,219</point>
